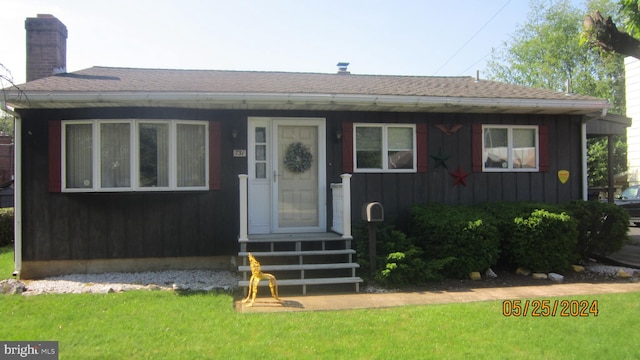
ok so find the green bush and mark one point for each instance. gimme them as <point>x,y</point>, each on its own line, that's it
<point>463,234</point>
<point>410,268</point>
<point>6,226</point>
<point>602,227</point>
<point>399,261</point>
<point>503,215</point>
<point>543,241</point>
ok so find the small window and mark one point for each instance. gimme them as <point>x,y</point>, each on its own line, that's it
<point>135,155</point>
<point>385,148</point>
<point>510,148</point>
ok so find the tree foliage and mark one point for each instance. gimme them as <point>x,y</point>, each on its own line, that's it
<point>597,158</point>
<point>547,52</point>
<point>602,33</point>
<point>630,13</point>
<point>6,120</point>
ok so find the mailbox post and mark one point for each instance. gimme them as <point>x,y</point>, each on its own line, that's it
<point>373,213</point>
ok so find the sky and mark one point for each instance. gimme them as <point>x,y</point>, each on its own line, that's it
<point>392,37</point>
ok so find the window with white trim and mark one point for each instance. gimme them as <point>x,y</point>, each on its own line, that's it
<point>384,148</point>
<point>135,155</point>
<point>510,148</point>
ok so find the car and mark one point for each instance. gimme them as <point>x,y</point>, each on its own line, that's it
<point>630,200</point>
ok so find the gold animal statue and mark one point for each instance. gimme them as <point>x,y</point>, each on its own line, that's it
<point>256,276</point>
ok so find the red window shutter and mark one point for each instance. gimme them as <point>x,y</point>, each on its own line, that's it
<point>421,138</point>
<point>543,142</point>
<point>347,147</point>
<point>55,156</point>
<point>476,147</point>
<point>215,178</point>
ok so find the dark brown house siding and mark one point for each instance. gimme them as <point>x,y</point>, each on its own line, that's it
<point>61,226</point>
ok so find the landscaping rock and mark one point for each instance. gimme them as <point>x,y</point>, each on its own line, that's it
<point>475,276</point>
<point>556,277</point>
<point>577,268</point>
<point>11,286</point>
<point>490,274</point>
<point>622,274</point>
<point>523,271</point>
<point>539,276</point>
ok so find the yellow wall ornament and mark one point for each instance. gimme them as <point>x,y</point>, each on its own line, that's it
<point>256,276</point>
<point>563,175</point>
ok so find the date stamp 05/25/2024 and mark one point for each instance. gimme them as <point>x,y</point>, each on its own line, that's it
<point>549,308</point>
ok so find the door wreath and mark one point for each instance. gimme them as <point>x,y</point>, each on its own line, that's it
<point>298,158</point>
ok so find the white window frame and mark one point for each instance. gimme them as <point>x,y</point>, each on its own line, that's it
<point>135,154</point>
<point>385,149</point>
<point>510,167</point>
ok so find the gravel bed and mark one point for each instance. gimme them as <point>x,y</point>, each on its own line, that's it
<point>609,270</point>
<point>194,280</point>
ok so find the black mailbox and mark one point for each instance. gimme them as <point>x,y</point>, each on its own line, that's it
<point>372,212</point>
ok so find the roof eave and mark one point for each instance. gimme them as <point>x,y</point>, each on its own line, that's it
<point>267,101</point>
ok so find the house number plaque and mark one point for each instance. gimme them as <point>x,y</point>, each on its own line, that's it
<point>239,153</point>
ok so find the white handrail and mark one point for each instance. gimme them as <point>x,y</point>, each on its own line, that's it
<point>346,205</point>
<point>244,210</point>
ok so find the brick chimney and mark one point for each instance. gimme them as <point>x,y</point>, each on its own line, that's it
<point>46,46</point>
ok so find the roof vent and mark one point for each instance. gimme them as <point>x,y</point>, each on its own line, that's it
<point>342,68</point>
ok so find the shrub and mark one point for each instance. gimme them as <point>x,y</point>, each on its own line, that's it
<point>399,261</point>
<point>543,241</point>
<point>460,233</point>
<point>602,227</point>
<point>388,240</point>
<point>403,268</point>
<point>503,215</point>
<point>6,226</point>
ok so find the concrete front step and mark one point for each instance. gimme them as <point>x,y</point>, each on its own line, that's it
<point>259,254</point>
<point>304,282</point>
<point>301,248</point>
<point>302,267</point>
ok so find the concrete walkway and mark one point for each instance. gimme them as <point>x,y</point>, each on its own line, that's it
<point>628,256</point>
<point>374,301</point>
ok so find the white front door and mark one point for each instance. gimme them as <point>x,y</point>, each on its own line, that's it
<point>286,197</point>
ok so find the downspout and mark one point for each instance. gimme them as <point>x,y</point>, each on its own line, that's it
<point>585,180</point>
<point>17,195</point>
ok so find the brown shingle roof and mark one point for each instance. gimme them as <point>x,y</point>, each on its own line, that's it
<point>106,86</point>
<point>106,79</point>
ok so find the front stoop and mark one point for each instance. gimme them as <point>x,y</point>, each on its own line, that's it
<point>301,259</point>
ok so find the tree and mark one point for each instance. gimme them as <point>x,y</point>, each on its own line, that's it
<point>604,34</point>
<point>547,52</point>
<point>6,120</point>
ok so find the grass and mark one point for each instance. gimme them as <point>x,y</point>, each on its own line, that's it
<point>6,262</point>
<point>167,325</point>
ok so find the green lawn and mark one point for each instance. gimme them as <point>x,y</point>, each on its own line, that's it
<point>160,324</point>
<point>6,262</point>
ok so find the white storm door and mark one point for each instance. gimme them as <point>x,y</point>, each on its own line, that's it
<point>260,175</point>
<point>298,200</point>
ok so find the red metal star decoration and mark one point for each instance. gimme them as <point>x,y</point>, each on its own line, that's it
<point>459,177</point>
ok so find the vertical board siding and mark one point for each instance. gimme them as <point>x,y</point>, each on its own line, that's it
<point>55,155</point>
<point>58,226</point>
